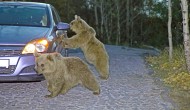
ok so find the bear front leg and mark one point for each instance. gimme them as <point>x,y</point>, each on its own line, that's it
<point>49,86</point>
<point>73,42</point>
<point>53,94</point>
<point>65,88</point>
<point>55,91</point>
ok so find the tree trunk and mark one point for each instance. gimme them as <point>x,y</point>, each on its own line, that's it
<point>111,29</point>
<point>96,17</point>
<point>118,38</point>
<point>106,27</point>
<point>128,20</point>
<point>102,19</point>
<point>141,31</point>
<point>169,30</point>
<point>184,6</point>
<point>132,33</point>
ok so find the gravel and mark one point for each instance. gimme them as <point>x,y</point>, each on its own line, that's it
<point>129,87</point>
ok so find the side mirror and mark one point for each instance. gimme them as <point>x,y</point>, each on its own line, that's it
<point>62,26</point>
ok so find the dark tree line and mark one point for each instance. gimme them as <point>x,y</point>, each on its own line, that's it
<point>125,22</point>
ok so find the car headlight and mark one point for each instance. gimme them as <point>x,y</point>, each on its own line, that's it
<point>41,45</point>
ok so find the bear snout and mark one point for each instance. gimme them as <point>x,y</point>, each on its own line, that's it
<point>36,70</point>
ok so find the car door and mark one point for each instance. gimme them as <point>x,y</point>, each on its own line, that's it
<point>56,16</point>
<point>57,19</point>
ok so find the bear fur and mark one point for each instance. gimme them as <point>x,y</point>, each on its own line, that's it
<point>63,73</point>
<point>94,50</point>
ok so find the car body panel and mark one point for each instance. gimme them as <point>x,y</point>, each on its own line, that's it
<point>20,32</point>
<point>20,61</point>
<point>13,39</point>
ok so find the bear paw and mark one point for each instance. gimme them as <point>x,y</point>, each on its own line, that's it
<point>104,77</point>
<point>96,92</point>
<point>49,96</point>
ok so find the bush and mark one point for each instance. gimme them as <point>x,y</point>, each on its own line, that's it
<point>173,73</point>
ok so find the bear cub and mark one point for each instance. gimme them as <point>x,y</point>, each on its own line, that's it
<point>94,50</point>
<point>63,73</point>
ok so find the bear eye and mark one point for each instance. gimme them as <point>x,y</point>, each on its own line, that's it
<point>71,23</point>
<point>42,65</point>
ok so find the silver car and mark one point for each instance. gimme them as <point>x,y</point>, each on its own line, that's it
<point>24,27</point>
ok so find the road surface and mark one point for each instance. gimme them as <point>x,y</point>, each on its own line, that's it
<point>130,87</point>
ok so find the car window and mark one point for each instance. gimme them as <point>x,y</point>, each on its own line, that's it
<point>20,15</point>
<point>55,15</point>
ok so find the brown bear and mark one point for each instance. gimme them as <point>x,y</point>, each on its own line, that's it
<point>63,73</point>
<point>94,50</point>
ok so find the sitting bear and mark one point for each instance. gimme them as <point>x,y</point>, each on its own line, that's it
<point>94,50</point>
<point>63,73</point>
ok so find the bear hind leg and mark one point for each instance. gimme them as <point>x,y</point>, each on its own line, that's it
<point>91,84</point>
<point>103,69</point>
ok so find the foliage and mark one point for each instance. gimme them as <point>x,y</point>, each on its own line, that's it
<point>68,8</point>
<point>173,74</point>
<point>126,22</point>
<point>180,80</point>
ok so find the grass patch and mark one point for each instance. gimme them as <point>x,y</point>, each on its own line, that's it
<point>173,74</point>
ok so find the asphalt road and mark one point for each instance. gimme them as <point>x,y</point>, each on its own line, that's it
<point>130,87</point>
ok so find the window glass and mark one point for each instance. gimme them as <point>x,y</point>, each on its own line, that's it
<point>55,16</point>
<point>23,16</point>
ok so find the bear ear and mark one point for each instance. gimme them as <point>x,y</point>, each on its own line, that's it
<point>77,17</point>
<point>36,54</point>
<point>49,57</point>
<point>58,56</point>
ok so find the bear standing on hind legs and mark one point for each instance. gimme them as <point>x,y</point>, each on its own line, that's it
<point>94,50</point>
